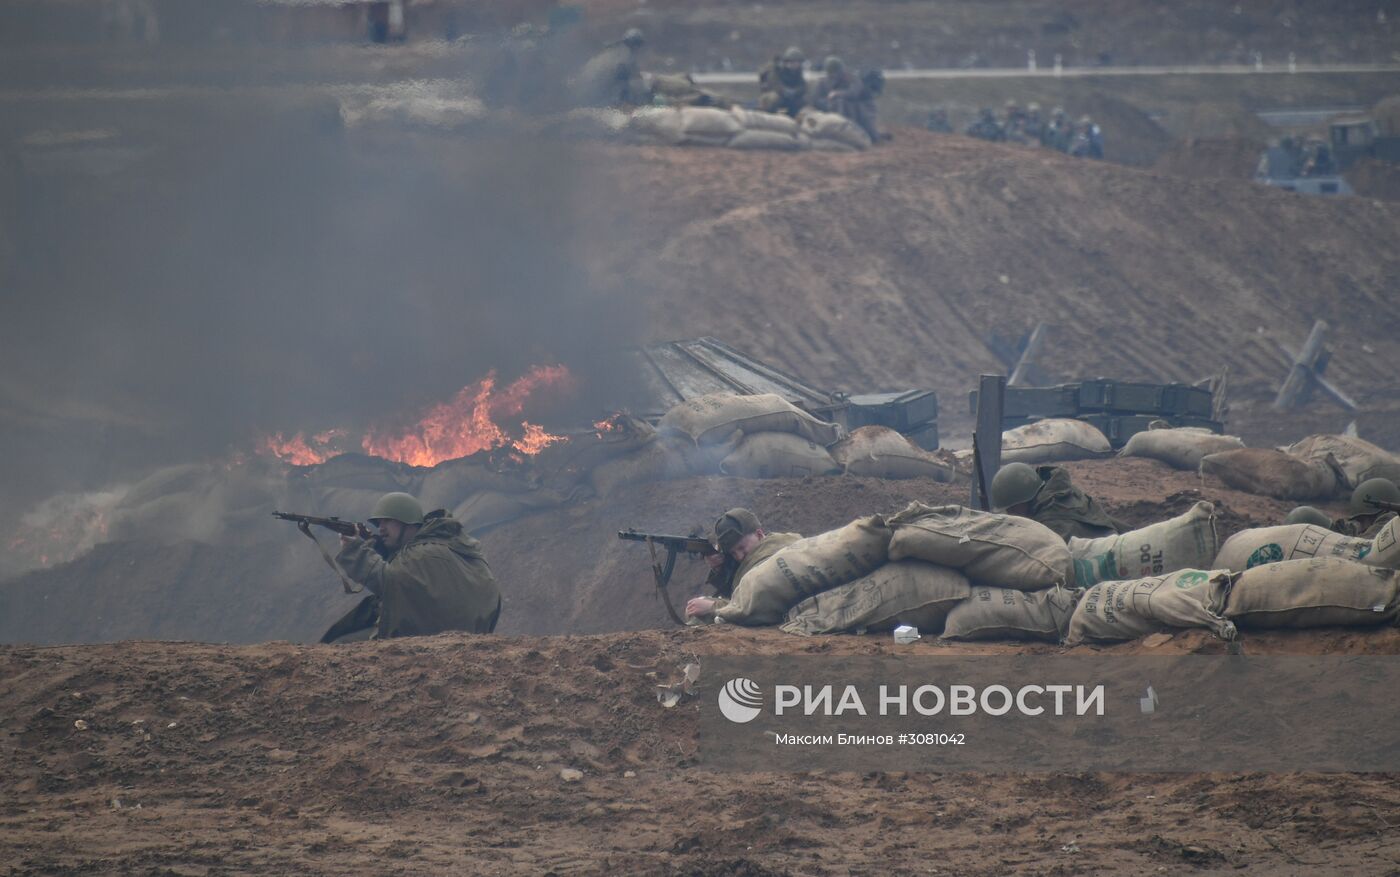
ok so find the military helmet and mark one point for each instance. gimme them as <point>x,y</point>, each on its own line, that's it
<point>793,54</point>
<point>1382,489</point>
<point>633,37</point>
<point>1032,107</point>
<point>397,507</point>
<point>1086,121</point>
<point>1014,484</point>
<point>1306,514</point>
<point>734,525</point>
<point>833,64</point>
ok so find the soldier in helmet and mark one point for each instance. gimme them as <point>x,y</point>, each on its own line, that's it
<point>840,91</point>
<point>1034,126</point>
<point>1058,133</point>
<point>782,87</point>
<point>1088,140</point>
<point>425,575</point>
<point>1364,519</point>
<point>986,127</point>
<point>1015,124</point>
<point>743,544</point>
<point>1047,495</point>
<point>613,77</point>
<point>1306,514</point>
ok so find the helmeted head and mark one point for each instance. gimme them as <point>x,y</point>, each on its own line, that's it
<point>1085,121</point>
<point>833,65</point>
<point>633,38</point>
<point>1033,108</point>
<point>792,53</point>
<point>1306,514</point>
<point>397,517</point>
<point>1014,484</point>
<point>734,527</point>
<point>1059,113</point>
<point>1382,489</point>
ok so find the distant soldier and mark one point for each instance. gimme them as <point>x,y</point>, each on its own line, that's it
<point>1306,514</point>
<point>1015,123</point>
<point>838,91</point>
<point>1088,140</point>
<point>1034,127</point>
<point>1047,495</point>
<point>986,127</point>
<point>1058,133</point>
<point>743,544</point>
<point>1363,519</point>
<point>782,87</point>
<point>1317,159</point>
<point>613,77</point>
<point>938,122</point>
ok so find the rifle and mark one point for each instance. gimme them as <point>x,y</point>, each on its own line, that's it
<point>695,546</point>
<point>343,527</point>
<point>1381,505</point>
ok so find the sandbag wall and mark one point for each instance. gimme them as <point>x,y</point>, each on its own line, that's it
<point>740,128</point>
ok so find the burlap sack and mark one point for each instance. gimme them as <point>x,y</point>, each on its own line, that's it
<point>833,126</point>
<point>1048,441</point>
<point>807,567</point>
<point>1272,473</point>
<point>904,592</point>
<point>1187,541</point>
<point>1385,548</point>
<point>1001,550</point>
<point>1117,611</point>
<point>709,123</point>
<point>1006,614</point>
<point>713,418</point>
<point>1319,592</point>
<point>881,452</point>
<point>757,120</point>
<point>777,455</point>
<point>660,125</point>
<point>1179,448</point>
<point>666,458</point>
<point>1358,459</point>
<point>761,139</point>
<point>1250,548</point>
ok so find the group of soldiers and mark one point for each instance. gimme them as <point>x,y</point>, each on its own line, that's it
<point>1291,157</point>
<point>1026,126</point>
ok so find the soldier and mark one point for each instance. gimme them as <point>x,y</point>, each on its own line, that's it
<point>1364,520</point>
<point>1046,494</point>
<point>424,575</point>
<point>781,85</point>
<point>1015,124</point>
<point>986,127</point>
<point>1088,140</point>
<point>1058,133</point>
<point>743,544</point>
<point>938,122</point>
<point>840,92</point>
<point>613,77</point>
<point>1306,514</point>
<point>1034,127</point>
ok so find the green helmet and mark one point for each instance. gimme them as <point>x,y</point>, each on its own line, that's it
<point>633,37</point>
<point>397,507</point>
<point>833,64</point>
<point>1376,488</point>
<point>794,54</point>
<point>1013,484</point>
<point>1306,514</point>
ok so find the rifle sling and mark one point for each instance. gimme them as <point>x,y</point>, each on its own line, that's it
<point>350,587</point>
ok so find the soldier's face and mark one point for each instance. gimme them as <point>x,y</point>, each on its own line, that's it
<point>792,66</point>
<point>391,533</point>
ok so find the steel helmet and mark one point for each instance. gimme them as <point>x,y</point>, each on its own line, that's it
<point>633,37</point>
<point>1375,488</point>
<point>397,507</point>
<point>833,64</point>
<point>1013,484</point>
<point>794,54</point>
<point>1306,514</point>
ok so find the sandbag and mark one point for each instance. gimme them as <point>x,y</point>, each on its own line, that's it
<point>881,452</point>
<point>1272,473</point>
<point>1262,545</point>
<point>777,455</point>
<point>807,567</point>
<point>1049,441</point>
<point>1385,548</point>
<point>757,120</point>
<point>1187,541</point>
<point>1006,614</point>
<point>761,139</point>
<point>1358,459</point>
<point>833,126</point>
<point>660,125</point>
<point>904,592</point>
<point>666,458</point>
<point>489,508</point>
<point>708,123</point>
<point>362,471</point>
<point>448,484</point>
<point>1180,448</point>
<point>713,418</point>
<point>1001,550</point>
<point>1117,611</point>
<point>1318,592</point>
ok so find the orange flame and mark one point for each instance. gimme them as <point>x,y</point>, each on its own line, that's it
<point>294,450</point>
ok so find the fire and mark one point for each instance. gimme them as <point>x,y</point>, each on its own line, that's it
<point>294,450</point>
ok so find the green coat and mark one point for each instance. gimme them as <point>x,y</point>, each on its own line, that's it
<point>771,545</point>
<point>1362,526</point>
<point>1066,509</point>
<point>438,581</point>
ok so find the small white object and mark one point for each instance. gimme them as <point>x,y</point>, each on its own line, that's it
<point>570,775</point>
<point>905,634</point>
<point>80,725</point>
<point>1148,704</point>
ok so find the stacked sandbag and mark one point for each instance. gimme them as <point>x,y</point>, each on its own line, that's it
<point>807,567</point>
<point>1187,541</point>
<point>767,131</point>
<point>881,452</point>
<point>1179,447</point>
<point>1001,550</point>
<point>761,436</point>
<point>450,483</point>
<point>658,125</point>
<point>488,508</point>
<point>736,128</point>
<point>1273,473</point>
<point>1007,614</point>
<point>1264,545</point>
<point>1053,440</point>
<point>832,132</point>
<point>1117,611</point>
<point>903,592</point>
<point>777,455</point>
<point>1385,548</point>
<point>663,459</point>
<point>1358,459</point>
<point>1318,592</point>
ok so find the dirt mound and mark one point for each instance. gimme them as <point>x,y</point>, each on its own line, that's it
<point>1225,157</point>
<point>447,754</point>
<point>1372,178</point>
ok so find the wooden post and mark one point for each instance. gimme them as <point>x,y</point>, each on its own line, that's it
<point>1301,374</point>
<point>1019,376</point>
<point>986,440</point>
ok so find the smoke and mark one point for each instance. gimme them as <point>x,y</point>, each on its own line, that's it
<point>234,263</point>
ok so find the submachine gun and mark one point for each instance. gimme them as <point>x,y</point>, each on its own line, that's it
<point>1381,505</point>
<point>695,546</point>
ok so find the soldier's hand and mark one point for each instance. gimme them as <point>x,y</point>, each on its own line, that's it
<point>697,607</point>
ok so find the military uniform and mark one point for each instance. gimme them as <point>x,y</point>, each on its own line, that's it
<point>1362,526</point>
<point>1067,510</point>
<point>439,581</point>
<point>838,91</point>
<point>781,90</point>
<point>613,77</point>
<point>986,127</point>
<point>769,546</point>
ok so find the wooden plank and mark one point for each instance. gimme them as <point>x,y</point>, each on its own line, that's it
<point>986,440</point>
<point>1020,375</point>
<point>1302,373</point>
<point>1329,389</point>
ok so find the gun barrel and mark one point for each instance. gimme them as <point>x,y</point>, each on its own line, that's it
<point>689,544</point>
<point>345,528</point>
